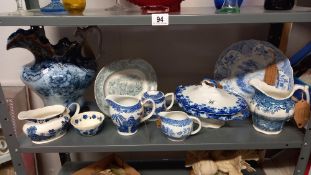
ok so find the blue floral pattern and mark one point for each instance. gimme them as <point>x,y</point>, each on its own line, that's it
<point>267,124</point>
<point>183,128</point>
<point>270,105</point>
<point>124,109</point>
<point>187,105</point>
<point>129,125</point>
<point>236,66</point>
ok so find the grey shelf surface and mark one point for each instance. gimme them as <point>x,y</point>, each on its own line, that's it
<point>146,168</point>
<point>234,135</point>
<point>188,15</point>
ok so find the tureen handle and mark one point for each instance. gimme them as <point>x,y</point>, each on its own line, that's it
<point>152,111</point>
<point>198,121</point>
<point>212,83</point>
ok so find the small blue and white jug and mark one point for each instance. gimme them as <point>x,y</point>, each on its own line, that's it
<point>127,112</point>
<point>177,125</point>
<point>159,99</point>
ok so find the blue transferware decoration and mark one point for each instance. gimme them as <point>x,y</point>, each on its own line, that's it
<point>159,99</point>
<point>54,6</point>
<point>245,60</point>
<point>210,101</point>
<point>219,3</point>
<point>177,125</point>
<point>59,74</point>
<point>271,107</point>
<point>47,124</point>
<point>124,77</point>
<point>88,123</point>
<point>127,112</point>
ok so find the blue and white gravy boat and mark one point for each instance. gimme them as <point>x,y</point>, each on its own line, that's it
<point>177,125</point>
<point>88,123</point>
<point>127,112</point>
<point>159,99</point>
<point>48,123</point>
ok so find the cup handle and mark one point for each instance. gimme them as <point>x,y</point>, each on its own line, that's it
<point>152,111</point>
<point>77,108</point>
<point>172,102</point>
<point>198,121</point>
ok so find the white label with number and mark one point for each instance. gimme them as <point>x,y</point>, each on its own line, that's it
<point>160,19</point>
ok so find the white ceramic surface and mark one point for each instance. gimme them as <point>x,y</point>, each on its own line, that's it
<point>124,77</point>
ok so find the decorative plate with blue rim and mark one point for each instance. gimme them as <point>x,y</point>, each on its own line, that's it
<point>124,77</point>
<point>248,59</point>
<point>209,101</point>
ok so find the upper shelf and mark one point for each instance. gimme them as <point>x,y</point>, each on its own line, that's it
<point>199,15</point>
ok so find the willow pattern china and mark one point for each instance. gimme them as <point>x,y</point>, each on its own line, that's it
<point>127,112</point>
<point>159,99</point>
<point>48,123</point>
<point>177,125</point>
<point>59,73</point>
<point>245,60</point>
<point>271,107</point>
<point>54,6</point>
<point>124,77</point>
<point>208,100</point>
<point>88,123</point>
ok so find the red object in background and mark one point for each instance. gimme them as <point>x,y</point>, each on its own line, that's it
<point>308,168</point>
<point>172,5</point>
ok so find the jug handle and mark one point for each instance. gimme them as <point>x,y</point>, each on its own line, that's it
<point>77,108</point>
<point>305,89</point>
<point>100,38</point>
<point>152,111</point>
<point>172,102</point>
<point>198,121</point>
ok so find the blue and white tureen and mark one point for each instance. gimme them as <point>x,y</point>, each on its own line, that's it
<point>210,101</point>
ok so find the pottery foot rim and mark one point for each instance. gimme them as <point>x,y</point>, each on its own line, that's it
<point>212,123</point>
<point>49,140</point>
<point>176,140</point>
<point>267,132</point>
<point>127,133</point>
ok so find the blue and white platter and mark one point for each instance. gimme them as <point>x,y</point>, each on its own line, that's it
<point>124,77</point>
<point>248,59</point>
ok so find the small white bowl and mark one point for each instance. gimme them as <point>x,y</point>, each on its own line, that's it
<point>88,123</point>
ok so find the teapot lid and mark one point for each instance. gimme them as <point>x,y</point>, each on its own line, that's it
<point>210,98</point>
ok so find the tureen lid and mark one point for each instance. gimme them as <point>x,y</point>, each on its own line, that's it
<point>209,97</point>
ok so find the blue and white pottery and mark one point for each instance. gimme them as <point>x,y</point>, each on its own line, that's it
<point>124,77</point>
<point>88,123</point>
<point>127,112</point>
<point>210,101</point>
<point>59,74</point>
<point>272,107</point>
<point>177,125</point>
<point>245,60</point>
<point>48,123</point>
<point>159,99</point>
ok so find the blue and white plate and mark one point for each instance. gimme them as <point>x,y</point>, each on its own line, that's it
<point>248,59</point>
<point>124,77</point>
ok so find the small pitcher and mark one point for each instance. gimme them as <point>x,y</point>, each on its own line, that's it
<point>159,99</point>
<point>177,125</point>
<point>127,112</point>
<point>48,123</point>
<point>271,107</point>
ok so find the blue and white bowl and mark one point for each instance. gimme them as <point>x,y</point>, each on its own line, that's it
<point>88,123</point>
